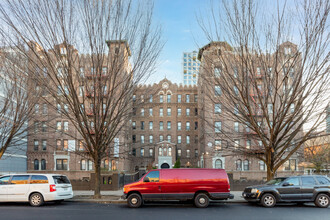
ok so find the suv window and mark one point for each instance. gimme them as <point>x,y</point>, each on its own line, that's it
<point>153,176</point>
<point>323,180</point>
<point>4,180</point>
<point>38,179</point>
<point>20,179</point>
<point>308,181</point>
<point>294,181</point>
<point>61,180</point>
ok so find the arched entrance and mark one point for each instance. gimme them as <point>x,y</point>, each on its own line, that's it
<point>165,166</point>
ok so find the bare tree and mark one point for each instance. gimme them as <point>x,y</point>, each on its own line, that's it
<point>93,90</point>
<point>270,91</point>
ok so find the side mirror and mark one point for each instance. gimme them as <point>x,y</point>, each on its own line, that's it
<point>286,184</point>
<point>146,179</point>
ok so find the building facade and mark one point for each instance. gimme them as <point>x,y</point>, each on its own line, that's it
<point>190,68</point>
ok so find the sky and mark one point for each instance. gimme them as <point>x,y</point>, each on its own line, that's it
<point>180,28</point>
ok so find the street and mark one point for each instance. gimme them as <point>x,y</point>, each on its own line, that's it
<point>168,211</point>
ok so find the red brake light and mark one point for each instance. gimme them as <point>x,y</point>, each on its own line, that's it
<point>52,188</point>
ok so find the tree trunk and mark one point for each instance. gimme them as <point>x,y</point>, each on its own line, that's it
<point>270,165</point>
<point>270,173</point>
<point>97,185</point>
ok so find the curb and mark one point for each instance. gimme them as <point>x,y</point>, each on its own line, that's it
<point>124,201</point>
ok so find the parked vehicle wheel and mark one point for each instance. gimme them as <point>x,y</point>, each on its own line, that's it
<point>322,200</point>
<point>36,199</point>
<point>134,200</point>
<point>268,200</point>
<point>201,200</point>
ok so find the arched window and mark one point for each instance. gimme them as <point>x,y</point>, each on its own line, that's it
<point>83,164</point>
<point>106,164</point>
<point>246,165</point>
<point>165,151</point>
<point>113,165</point>
<point>90,165</point>
<point>43,164</point>
<point>218,164</point>
<point>238,164</point>
<point>160,151</point>
<point>170,151</point>
<point>36,164</point>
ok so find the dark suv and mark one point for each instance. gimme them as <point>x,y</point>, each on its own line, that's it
<point>298,189</point>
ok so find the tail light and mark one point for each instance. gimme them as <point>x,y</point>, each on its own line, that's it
<point>52,188</point>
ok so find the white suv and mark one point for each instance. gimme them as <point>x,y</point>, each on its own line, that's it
<point>35,188</point>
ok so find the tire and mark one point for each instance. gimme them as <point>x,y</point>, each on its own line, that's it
<point>36,199</point>
<point>322,200</point>
<point>134,200</point>
<point>201,200</point>
<point>268,200</point>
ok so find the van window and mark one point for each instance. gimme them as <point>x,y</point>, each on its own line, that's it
<point>20,179</point>
<point>61,180</point>
<point>4,180</point>
<point>38,179</point>
<point>153,176</point>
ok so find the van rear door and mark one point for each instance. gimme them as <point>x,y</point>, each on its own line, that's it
<point>63,185</point>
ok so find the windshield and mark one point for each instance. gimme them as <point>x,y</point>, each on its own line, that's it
<point>275,181</point>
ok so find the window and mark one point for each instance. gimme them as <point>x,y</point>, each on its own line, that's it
<point>134,98</point>
<point>134,152</point>
<point>58,126</point>
<point>187,126</point>
<point>290,165</point>
<point>169,112</point>
<point>196,153</point>
<point>161,125</point>
<point>36,127</point>
<point>217,90</point>
<point>150,98</point>
<point>151,138</point>
<point>150,125</point>
<point>161,112</point>
<point>179,139</point>
<point>217,72</point>
<point>292,108</point>
<point>236,143</point>
<point>65,145</point>
<point>65,125</point>
<point>36,108</point>
<point>43,164</point>
<point>150,111</point>
<point>188,139</point>
<point>270,108</point>
<point>142,125</point>
<point>188,153</point>
<point>168,125</point>
<point>160,151</point>
<point>90,165</point>
<point>287,50</point>
<point>195,98</point>
<point>236,126</point>
<point>179,98</point>
<point>179,111</point>
<point>217,144</point>
<point>83,165</point>
<point>179,126</point>
<point>38,179</point>
<point>61,164</point>
<point>142,111</point>
<point>36,145</point>
<point>236,90</point>
<point>104,70</point>
<point>81,146</point>
<point>161,98</point>
<point>196,125</point>
<point>235,72</point>
<point>142,139</point>
<point>153,176</point>
<point>187,111</point>
<point>142,152</point>
<point>36,164</point>
<point>20,179</point>
<point>218,164</point>
<point>169,98</point>
<point>58,144</point>
<point>248,144</point>
<point>58,108</point>
<point>323,180</point>
<point>217,126</point>
<point>169,138</point>
<point>161,138</point>
<point>261,165</point>
<point>238,164</point>
<point>293,181</point>
<point>44,109</point>
<point>236,109</point>
<point>169,151</point>
<point>217,108</point>
<point>308,181</point>
<point>187,98</point>
<point>44,145</point>
<point>151,152</point>
<point>133,125</point>
<point>246,165</point>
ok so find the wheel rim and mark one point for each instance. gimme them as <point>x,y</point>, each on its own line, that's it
<point>134,201</point>
<point>35,199</point>
<point>323,201</point>
<point>202,200</point>
<point>269,200</point>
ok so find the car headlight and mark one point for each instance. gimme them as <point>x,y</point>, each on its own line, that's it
<point>254,191</point>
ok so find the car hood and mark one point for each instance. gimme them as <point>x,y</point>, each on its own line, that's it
<point>260,186</point>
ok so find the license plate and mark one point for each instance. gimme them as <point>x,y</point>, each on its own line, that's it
<point>65,189</point>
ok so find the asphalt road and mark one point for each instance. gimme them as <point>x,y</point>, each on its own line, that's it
<point>159,211</point>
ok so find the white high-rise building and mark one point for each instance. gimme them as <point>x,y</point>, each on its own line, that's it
<point>190,68</point>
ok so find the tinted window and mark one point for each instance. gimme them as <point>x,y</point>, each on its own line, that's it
<point>4,180</point>
<point>323,180</point>
<point>61,180</point>
<point>293,181</point>
<point>308,181</point>
<point>20,179</point>
<point>153,176</point>
<point>38,179</point>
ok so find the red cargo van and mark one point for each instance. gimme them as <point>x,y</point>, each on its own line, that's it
<point>199,185</point>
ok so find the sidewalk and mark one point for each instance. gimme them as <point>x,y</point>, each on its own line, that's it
<point>114,197</point>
